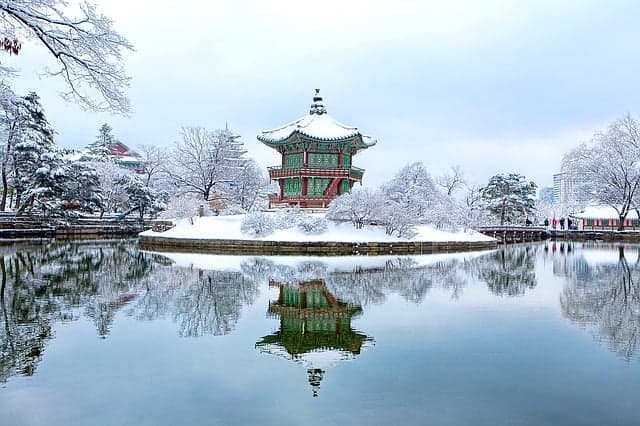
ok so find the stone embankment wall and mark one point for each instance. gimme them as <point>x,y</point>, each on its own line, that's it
<point>587,235</point>
<point>26,227</point>
<point>253,247</point>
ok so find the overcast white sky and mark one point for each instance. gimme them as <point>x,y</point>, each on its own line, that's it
<point>494,86</point>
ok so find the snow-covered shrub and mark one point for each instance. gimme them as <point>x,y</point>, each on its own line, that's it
<point>257,224</point>
<point>312,225</point>
<point>231,210</point>
<point>360,206</point>
<point>396,221</point>
<point>414,190</point>
<point>447,216</point>
<point>182,206</point>
<point>289,217</point>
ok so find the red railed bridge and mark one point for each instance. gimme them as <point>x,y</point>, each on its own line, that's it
<point>515,234</point>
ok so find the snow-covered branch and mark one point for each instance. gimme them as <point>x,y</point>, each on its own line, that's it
<point>86,48</point>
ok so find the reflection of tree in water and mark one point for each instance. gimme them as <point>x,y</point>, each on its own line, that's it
<point>609,302</point>
<point>212,303</point>
<point>364,285</point>
<point>25,327</point>
<point>59,282</point>
<point>47,284</point>
<point>315,305</point>
<point>509,271</point>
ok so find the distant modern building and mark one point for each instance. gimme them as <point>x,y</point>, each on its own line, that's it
<point>570,192</point>
<point>546,194</point>
<point>557,188</point>
<point>317,158</point>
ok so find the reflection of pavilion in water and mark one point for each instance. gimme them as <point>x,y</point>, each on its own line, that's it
<point>315,328</point>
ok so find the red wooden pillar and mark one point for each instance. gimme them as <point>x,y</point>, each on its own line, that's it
<point>304,186</point>
<point>281,182</point>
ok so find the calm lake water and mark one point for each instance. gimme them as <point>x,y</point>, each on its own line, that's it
<point>100,333</point>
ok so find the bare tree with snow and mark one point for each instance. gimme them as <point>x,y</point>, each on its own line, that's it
<point>452,181</point>
<point>207,162</point>
<point>11,124</point>
<point>113,194</point>
<point>86,48</point>
<point>361,206</point>
<point>397,221</point>
<point>251,187</point>
<point>182,206</point>
<point>610,162</point>
<point>419,197</point>
<point>472,207</point>
<point>153,160</point>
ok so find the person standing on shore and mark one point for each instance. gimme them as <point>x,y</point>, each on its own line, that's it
<point>554,223</point>
<point>562,223</point>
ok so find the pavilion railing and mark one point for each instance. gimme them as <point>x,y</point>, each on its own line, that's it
<point>345,171</point>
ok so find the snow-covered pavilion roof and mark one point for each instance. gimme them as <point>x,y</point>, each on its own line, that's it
<point>602,212</point>
<point>317,125</point>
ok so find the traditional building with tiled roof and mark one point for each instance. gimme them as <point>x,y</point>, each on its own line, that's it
<point>317,153</point>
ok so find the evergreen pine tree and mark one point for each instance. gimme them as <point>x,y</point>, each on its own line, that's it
<point>100,148</point>
<point>141,198</point>
<point>510,197</point>
<point>35,154</point>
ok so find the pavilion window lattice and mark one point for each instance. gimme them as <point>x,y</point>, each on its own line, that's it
<point>293,161</point>
<point>317,186</point>
<point>292,187</point>
<point>323,160</point>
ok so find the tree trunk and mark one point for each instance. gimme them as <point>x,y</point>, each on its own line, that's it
<point>4,279</point>
<point>5,188</point>
<point>25,205</point>
<point>17,205</point>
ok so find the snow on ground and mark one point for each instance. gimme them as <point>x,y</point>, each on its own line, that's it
<point>228,228</point>
<point>231,263</point>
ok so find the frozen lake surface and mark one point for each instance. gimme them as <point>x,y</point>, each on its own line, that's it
<point>100,333</point>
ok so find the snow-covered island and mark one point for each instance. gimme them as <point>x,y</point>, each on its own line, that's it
<point>304,233</point>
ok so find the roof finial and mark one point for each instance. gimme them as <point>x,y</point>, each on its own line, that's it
<point>317,107</point>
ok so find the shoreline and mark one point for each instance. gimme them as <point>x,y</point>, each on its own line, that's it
<point>325,248</point>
